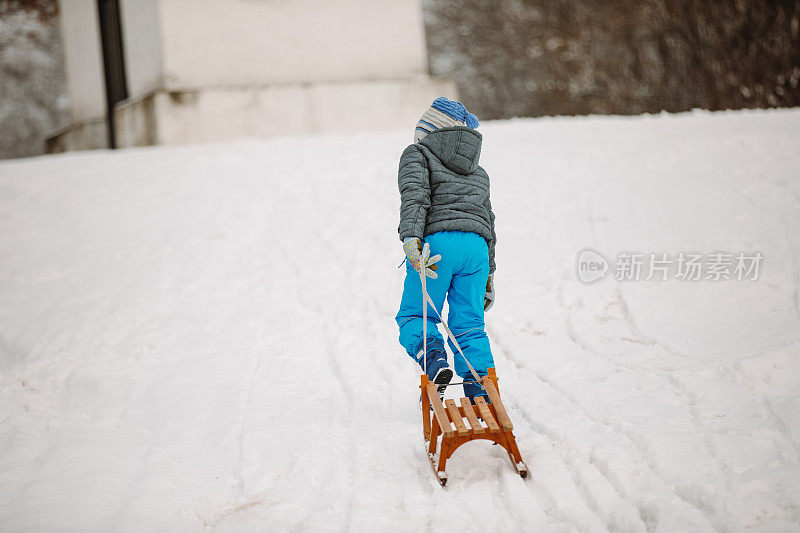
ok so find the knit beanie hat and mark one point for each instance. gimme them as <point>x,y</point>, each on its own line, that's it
<point>444,113</point>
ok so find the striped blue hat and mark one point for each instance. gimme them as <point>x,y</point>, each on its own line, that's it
<point>444,113</point>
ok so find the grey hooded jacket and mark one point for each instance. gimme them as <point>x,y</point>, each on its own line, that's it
<point>442,188</point>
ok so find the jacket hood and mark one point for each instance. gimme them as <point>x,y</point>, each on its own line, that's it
<point>457,147</point>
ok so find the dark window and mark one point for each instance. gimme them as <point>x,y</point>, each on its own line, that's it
<point>113,60</point>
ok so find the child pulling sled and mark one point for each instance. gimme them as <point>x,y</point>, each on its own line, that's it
<point>445,210</point>
<point>445,205</point>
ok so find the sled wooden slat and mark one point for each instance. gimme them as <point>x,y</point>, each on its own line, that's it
<point>438,410</point>
<point>455,416</point>
<point>494,396</point>
<point>486,414</point>
<point>438,428</point>
<point>469,412</point>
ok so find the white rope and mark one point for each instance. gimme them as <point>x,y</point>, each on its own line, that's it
<point>422,262</point>
<point>426,299</point>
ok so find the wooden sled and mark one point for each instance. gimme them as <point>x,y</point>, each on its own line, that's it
<point>483,421</point>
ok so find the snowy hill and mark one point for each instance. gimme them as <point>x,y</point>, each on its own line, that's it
<point>203,337</point>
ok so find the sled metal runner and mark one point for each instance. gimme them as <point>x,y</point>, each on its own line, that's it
<point>444,427</point>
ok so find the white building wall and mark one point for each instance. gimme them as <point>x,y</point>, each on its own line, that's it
<point>224,43</point>
<point>203,70</point>
<point>83,55</point>
<point>141,43</point>
<point>212,115</point>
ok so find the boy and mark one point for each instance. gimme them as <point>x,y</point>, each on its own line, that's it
<point>445,204</point>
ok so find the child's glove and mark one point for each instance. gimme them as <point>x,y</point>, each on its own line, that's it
<point>415,253</point>
<point>488,300</point>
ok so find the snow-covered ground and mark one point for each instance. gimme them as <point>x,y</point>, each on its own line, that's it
<point>203,337</point>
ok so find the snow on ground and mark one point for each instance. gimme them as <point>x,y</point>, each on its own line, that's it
<point>203,337</point>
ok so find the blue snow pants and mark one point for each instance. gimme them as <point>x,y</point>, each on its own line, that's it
<point>463,271</point>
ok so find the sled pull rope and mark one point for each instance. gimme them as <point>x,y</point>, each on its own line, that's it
<point>427,299</point>
<point>424,259</point>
